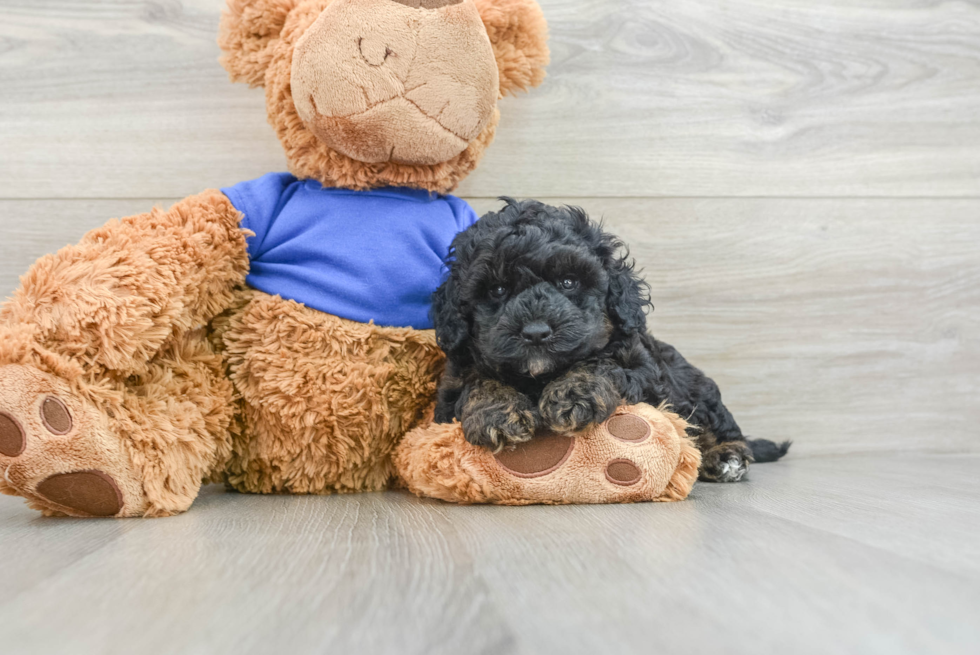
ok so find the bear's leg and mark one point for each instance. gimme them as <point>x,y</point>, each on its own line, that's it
<point>326,399</point>
<point>144,450</point>
<point>112,400</point>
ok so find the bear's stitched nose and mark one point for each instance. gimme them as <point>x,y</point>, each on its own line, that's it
<point>427,4</point>
<point>374,51</point>
<point>536,332</point>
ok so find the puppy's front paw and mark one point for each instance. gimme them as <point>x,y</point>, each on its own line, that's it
<point>499,425</point>
<point>576,401</point>
<point>726,462</point>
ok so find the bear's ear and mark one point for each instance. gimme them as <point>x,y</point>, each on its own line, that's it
<point>519,36</point>
<point>248,33</point>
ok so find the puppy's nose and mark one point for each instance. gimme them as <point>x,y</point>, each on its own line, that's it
<point>536,332</point>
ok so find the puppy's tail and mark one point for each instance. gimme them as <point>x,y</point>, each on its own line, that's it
<point>764,450</point>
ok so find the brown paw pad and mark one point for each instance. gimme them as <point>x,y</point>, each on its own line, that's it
<point>90,492</point>
<point>623,472</point>
<point>628,427</point>
<point>537,457</point>
<point>55,416</point>
<point>13,441</point>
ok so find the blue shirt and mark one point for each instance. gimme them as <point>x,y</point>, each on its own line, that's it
<point>362,255</point>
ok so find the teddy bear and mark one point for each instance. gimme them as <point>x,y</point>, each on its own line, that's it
<point>272,335</point>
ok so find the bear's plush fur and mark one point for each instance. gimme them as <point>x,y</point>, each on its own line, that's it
<point>137,365</point>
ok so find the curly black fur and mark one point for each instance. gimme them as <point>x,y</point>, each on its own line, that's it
<point>543,322</point>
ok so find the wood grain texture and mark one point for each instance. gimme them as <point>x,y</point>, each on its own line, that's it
<point>845,325</point>
<point>807,556</point>
<point>124,98</point>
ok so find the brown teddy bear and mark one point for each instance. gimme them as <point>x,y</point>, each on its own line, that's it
<point>271,335</point>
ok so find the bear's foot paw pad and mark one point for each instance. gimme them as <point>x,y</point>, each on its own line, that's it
<point>56,450</point>
<point>639,454</point>
<point>616,461</point>
<point>547,452</point>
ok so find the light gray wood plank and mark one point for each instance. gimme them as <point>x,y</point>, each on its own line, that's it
<point>713,575</point>
<point>249,574</point>
<point>111,98</point>
<point>737,569</point>
<point>934,522</point>
<point>28,561</point>
<point>845,325</point>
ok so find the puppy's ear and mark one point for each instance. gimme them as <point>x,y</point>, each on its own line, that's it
<point>628,296</point>
<point>248,34</point>
<point>519,36</point>
<point>452,330</point>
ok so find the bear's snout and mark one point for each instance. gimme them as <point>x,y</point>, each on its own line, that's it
<point>381,81</point>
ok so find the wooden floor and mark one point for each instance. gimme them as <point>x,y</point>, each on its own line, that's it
<point>800,183</point>
<point>863,554</point>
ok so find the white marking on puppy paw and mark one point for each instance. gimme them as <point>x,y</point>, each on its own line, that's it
<point>732,470</point>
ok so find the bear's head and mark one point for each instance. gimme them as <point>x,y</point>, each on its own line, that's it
<point>371,93</point>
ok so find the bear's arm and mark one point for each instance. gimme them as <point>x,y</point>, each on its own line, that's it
<point>113,299</point>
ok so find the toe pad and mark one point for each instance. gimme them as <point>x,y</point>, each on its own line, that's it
<point>628,427</point>
<point>55,416</point>
<point>12,438</point>
<point>623,472</point>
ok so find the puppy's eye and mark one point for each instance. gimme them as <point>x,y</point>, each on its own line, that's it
<point>498,291</point>
<point>568,283</point>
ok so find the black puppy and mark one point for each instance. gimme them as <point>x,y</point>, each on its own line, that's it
<point>542,320</point>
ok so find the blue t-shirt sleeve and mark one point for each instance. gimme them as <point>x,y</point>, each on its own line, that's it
<point>260,201</point>
<point>465,216</point>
